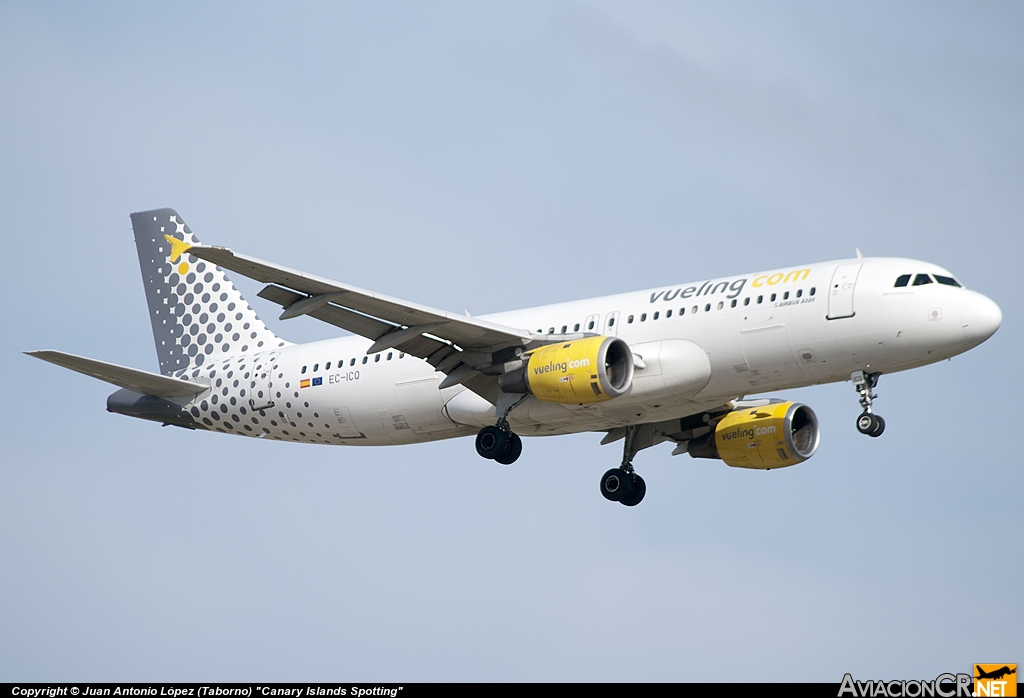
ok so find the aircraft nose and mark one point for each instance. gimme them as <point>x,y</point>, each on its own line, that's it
<point>980,317</point>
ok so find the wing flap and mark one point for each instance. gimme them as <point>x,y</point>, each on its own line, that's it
<point>347,320</point>
<point>466,332</point>
<point>142,382</point>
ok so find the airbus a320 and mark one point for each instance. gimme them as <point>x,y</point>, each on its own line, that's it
<point>672,364</point>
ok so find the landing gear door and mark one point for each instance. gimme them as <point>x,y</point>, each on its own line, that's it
<point>840,293</point>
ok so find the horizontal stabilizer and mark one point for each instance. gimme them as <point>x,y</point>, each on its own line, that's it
<point>142,382</point>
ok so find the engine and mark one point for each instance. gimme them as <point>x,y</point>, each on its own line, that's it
<point>579,372</point>
<point>770,436</point>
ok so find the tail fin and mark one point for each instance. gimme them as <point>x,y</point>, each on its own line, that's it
<point>197,313</point>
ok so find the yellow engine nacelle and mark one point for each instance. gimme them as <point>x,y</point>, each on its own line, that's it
<point>771,436</point>
<point>579,372</point>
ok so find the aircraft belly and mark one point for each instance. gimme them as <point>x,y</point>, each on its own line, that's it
<point>421,405</point>
<point>768,356</point>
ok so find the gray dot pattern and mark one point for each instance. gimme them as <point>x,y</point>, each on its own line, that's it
<point>250,396</point>
<point>198,315</point>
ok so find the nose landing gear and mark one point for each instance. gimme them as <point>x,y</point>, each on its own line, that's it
<point>622,484</point>
<point>864,383</point>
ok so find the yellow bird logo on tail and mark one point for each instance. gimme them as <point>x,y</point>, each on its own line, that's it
<point>178,248</point>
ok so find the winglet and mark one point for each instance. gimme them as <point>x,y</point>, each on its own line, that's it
<point>178,247</point>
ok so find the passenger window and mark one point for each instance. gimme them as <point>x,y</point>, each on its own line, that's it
<point>389,356</point>
<point>813,289</point>
<point>643,317</point>
<point>922,279</point>
<point>682,311</point>
<point>328,366</point>
<point>785,296</point>
<point>947,280</point>
<point>693,310</point>
<point>772,297</point>
<point>590,325</point>
<point>799,292</point>
<point>365,359</point>
<point>721,305</point>
<point>733,304</point>
<point>576,327</point>
<point>707,308</point>
<point>902,281</point>
<point>376,358</point>
<point>629,320</point>
<point>668,313</point>
<point>746,301</point>
<point>655,316</point>
<point>352,362</point>
<point>401,354</point>
<point>564,328</point>
<point>551,330</point>
<point>316,367</point>
<point>303,369</point>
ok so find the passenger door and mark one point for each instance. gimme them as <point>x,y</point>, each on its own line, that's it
<point>840,293</point>
<point>260,397</point>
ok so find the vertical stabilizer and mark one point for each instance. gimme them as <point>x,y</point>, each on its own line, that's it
<point>198,315</point>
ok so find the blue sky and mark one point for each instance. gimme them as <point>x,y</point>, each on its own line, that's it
<point>491,157</point>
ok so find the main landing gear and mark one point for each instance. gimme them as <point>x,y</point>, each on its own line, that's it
<point>499,443</point>
<point>622,484</point>
<point>867,423</point>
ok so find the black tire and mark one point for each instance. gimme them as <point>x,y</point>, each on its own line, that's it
<point>639,490</point>
<point>491,442</point>
<point>879,426</point>
<point>616,485</point>
<point>866,423</point>
<point>512,453</point>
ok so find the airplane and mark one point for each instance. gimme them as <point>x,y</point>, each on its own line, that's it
<point>670,364</point>
<point>995,674</point>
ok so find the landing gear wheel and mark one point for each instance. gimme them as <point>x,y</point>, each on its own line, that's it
<point>616,485</point>
<point>864,383</point>
<point>639,490</point>
<point>870,424</point>
<point>492,442</point>
<point>512,453</point>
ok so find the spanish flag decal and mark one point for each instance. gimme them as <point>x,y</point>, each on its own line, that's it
<point>304,383</point>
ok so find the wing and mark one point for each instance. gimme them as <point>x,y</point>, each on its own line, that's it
<point>142,382</point>
<point>469,350</point>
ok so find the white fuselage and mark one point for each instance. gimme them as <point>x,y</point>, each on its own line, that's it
<point>697,346</point>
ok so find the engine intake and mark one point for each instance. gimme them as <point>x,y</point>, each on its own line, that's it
<point>579,372</point>
<point>771,436</point>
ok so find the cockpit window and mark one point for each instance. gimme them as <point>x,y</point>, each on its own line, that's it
<point>902,281</point>
<point>947,280</point>
<point>922,279</point>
